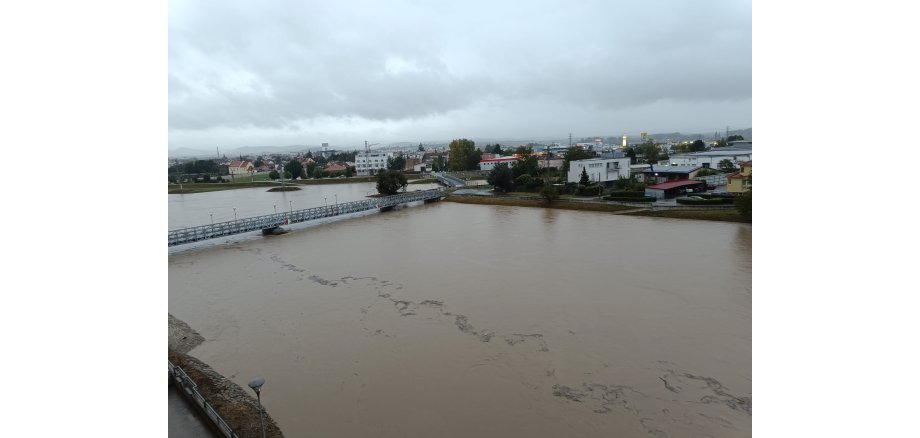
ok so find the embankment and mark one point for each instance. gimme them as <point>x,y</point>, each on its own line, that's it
<point>233,403</point>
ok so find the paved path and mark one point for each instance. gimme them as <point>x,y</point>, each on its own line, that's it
<point>184,421</point>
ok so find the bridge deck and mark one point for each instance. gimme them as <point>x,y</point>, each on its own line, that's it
<point>229,228</point>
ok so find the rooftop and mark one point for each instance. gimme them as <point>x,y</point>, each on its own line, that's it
<point>673,169</point>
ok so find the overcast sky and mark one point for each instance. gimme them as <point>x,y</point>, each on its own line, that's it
<point>245,73</point>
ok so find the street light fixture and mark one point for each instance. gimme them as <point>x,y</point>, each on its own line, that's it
<point>234,213</point>
<point>212,218</point>
<point>256,385</point>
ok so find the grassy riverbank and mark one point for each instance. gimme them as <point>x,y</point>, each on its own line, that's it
<point>706,215</point>
<point>213,187</point>
<point>703,215</point>
<point>536,202</point>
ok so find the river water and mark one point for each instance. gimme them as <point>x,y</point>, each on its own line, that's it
<point>449,319</point>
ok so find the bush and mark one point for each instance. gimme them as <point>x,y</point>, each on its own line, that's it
<point>686,201</point>
<point>589,190</point>
<point>743,205</point>
<point>628,194</point>
<point>629,198</point>
<point>549,193</point>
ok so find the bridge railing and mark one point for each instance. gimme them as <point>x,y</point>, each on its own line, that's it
<point>190,390</point>
<point>221,229</point>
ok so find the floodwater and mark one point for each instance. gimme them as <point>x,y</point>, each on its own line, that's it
<point>451,320</point>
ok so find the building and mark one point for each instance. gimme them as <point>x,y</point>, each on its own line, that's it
<point>599,170</point>
<point>710,159</point>
<point>368,164</point>
<point>240,168</point>
<point>490,164</point>
<point>658,174</point>
<point>673,189</point>
<point>739,182</point>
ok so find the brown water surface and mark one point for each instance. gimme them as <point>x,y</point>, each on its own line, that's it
<point>465,320</point>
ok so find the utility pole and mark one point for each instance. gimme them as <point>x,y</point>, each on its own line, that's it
<point>178,175</point>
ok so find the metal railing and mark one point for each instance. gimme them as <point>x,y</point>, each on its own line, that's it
<point>449,180</point>
<point>229,228</point>
<point>190,390</point>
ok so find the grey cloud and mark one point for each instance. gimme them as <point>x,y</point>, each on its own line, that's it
<point>242,65</point>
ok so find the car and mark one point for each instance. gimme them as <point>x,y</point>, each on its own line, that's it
<point>696,198</point>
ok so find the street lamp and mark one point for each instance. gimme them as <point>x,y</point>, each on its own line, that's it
<point>256,385</point>
<point>291,203</point>
<point>324,202</point>
<point>276,208</point>
<point>234,213</point>
<point>212,218</point>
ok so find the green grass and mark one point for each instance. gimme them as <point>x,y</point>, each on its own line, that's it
<point>498,200</point>
<point>705,215</point>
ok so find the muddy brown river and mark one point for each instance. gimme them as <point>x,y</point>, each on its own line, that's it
<point>453,320</point>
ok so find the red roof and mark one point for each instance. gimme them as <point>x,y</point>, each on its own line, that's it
<point>673,184</point>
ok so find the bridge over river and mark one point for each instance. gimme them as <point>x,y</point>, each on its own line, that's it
<point>271,222</point>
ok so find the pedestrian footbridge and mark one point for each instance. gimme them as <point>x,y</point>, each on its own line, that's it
<point>271,222</point>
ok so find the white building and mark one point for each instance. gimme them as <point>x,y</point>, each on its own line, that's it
<point>369,164</point>
<point>491,163</point>
<point>599,170</point>
<point>712,158</point>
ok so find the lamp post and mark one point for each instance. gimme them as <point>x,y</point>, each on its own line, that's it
<point>324,202</point>
<point>276,208</point>
<point>234,213</point>
<point>291,203</point>
<point>212,218</point>
<point>336,202</point>
<point>256,385</point>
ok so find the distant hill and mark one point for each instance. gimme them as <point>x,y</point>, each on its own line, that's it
<point>481,142</point>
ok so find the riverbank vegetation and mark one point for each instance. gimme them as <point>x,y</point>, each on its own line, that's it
<point>536,202</point>
<point>263,182</point>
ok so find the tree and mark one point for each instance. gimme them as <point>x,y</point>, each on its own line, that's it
<point>349,171</point>
<point>438,165</point>
<point>651,151</point>
<point>421,148</point>
<point>524,150</point>
<point>743,205</point>
<point>500,177</point>
<point>697,146</point>
<point>390,182</point>
<point>727,166</point>
<point>294,169</point>
<point>631,153</point>
<point>273,174</point>
<point>396,163</point>
<point>527,166</point>
<point>497,149</point>
<point>549,193</point>
<point>459,154</point>
<point>584,177</point>
<point>734,138</point>
<point>259,162</point>
<point>575,153</point>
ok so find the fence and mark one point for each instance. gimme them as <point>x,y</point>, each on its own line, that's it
<point>190,389</point>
